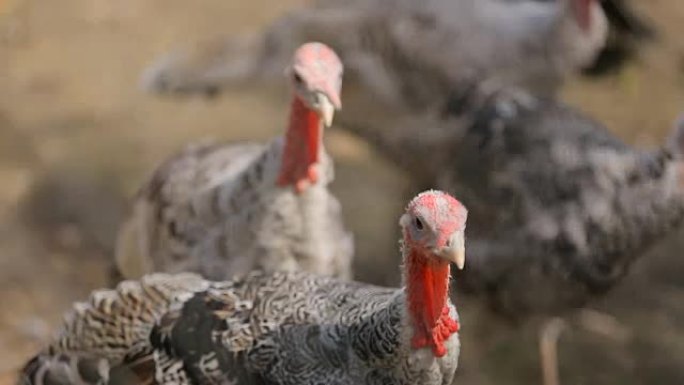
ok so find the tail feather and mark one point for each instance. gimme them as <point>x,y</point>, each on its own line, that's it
<point>204,68</point>
<point>83,369</point>
<point>105,340</point>
<point>65,369</point>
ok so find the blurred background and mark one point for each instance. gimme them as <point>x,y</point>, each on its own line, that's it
<point>77,136</point>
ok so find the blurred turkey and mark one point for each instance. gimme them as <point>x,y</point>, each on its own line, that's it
<point>408,54</point>
<point>561,207</point>
<point>629,31</point>
<point>225,209</point>
<point>280,328</point>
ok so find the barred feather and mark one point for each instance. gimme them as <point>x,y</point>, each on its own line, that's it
<point>284,328</point>
<point>561,207</point>
<point>223,210</point>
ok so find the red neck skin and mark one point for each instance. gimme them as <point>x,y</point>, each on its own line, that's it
<point>582,9</point>
<point>428,291</point>
<point>302,148</point>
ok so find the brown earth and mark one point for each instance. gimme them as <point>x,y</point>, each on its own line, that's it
<point>77,136</point>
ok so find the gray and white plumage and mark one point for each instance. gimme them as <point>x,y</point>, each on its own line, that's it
<point>279,328</point>
<point>287,328</point>
<point>216,210</point>
<point>225,209</point>
<point>561,207</point>
<point>630,31</point>
<point>407,53</point>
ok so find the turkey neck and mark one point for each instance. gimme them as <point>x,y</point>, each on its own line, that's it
<point>302,147</point>
<point>582,11</point>
<point>427,285</point>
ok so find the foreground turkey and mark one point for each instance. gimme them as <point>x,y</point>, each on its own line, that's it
<point>282,328</point>
<point>561,206</point>
<point>408,53</point>
<point>225,209</point>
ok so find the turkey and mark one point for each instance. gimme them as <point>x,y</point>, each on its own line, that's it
<point>278,328</point>
<point>629,31</point>
<point>225,209</point>
<point>626,20</point>
<point>561,206</point>
<point>409,54</point>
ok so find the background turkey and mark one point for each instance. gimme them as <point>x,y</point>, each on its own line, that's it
<point>629,32</point>
<point>284,328</point>
<point>222,210</point>
<point>409,54</point>
<point>500,34</point>
<point>562,206</point>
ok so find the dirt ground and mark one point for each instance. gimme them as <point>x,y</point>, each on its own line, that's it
<point>77,136</point>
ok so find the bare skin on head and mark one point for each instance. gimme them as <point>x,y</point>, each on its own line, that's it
<point>433,230</point>
<point>316,77</point>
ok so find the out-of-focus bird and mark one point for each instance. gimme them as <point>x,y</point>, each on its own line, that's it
<point>629,31</point>
<point>225,209</point>
<point>561,207</point>
<point>280,328</point>
<point>409,54</point>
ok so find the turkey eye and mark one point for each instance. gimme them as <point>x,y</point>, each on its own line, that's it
<point>419,224</point>
<point>297,78</point>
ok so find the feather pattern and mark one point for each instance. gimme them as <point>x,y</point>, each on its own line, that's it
<point>561,206</point>
<point>215,209</point>
<point>273,328</point>
<point>284,328</point>
<point>225,209</point>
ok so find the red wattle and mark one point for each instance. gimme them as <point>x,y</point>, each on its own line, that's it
<point>301,152</point>
<point>427,291</point>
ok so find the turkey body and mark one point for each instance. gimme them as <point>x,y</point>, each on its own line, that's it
<point>575,206</point>
<point>274,328</point>
<point>406,54</point>
<point>225,209</point>
<point>561,207</point>
<point>284,328</point>
<point>215,209</point>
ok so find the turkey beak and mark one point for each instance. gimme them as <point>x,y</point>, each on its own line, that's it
<point>326,108</point>
<point>454,251</point>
